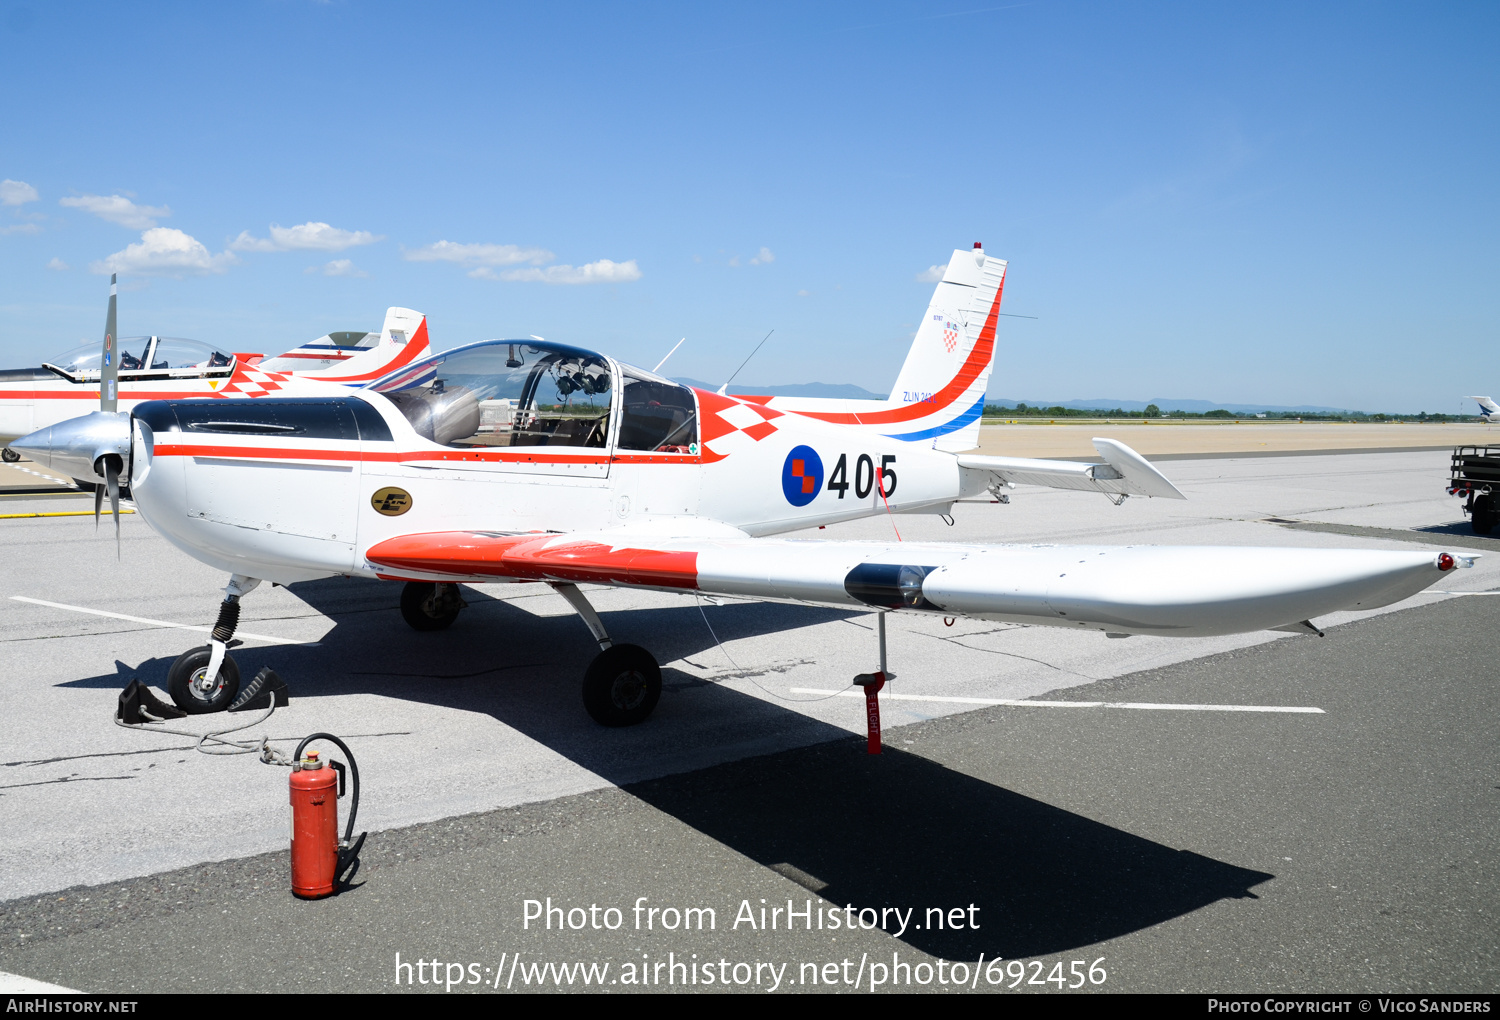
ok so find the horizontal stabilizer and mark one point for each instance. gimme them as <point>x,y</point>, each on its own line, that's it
<point>1124,472</point>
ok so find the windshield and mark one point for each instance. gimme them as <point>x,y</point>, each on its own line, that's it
<point>506,393</point>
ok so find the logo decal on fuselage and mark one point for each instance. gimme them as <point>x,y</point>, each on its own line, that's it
<point>391,501</point>
<point>801,475</point>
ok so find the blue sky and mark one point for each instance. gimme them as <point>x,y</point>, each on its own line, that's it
<point>1283,203</point>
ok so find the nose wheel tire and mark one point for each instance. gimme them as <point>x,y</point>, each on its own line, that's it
<point>9,456</point>
<point>622,686</point>
<point>190,691</point>
<point>429,606</point>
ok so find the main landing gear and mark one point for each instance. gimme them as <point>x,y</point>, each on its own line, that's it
<point>623,684</point>
<point>428,605</point>
<point>206,679</point>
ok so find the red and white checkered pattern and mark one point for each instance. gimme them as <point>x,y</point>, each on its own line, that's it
<point>253,382</point>
<point>729,424</point>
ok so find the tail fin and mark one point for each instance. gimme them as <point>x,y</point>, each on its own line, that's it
<point>953,353</point>
<point>1486,405</point>
<point>939,395</point>
<point>403,339</point>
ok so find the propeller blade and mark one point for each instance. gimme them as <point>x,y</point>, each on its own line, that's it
<point>109,365</point>
<point>98,502</point>
<point>112,483</point>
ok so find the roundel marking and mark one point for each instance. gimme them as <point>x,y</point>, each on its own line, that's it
<point>391,501</point>
<point>801,475</point>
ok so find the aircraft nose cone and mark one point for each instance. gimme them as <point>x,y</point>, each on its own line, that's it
<point>74,446</point>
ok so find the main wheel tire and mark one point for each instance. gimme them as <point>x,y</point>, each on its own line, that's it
<point>622,686</point>
<point>430,606</point>
<point>1483,519</point>
<point>9,456</point>
<point>185,682</point>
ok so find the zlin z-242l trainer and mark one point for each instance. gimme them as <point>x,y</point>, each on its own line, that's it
<point>523,460</point>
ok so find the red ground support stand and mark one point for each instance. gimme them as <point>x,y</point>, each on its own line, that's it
<point>872,683</point>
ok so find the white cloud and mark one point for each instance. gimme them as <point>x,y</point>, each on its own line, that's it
<point>58,264</point>
<point>21,228</point>
<point>16,192</point>
<point>310,236</point>
<point>478,254</point>
<point>603,271</point>
<point>932,274</point>
<point>338,267</point>
<point>804,293</point>
<point>118,209</point>
<point>164,251</point>
<point>763,258</point>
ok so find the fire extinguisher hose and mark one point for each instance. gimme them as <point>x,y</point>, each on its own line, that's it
<point>353,768</point>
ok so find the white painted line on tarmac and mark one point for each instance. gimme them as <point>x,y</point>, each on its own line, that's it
<point>246,635</point>
<point>15,984</point>
<point>1016,703</point>
<point>1429,592</point>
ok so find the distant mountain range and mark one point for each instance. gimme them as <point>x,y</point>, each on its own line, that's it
<point>848,391</point>
<point>1168,404</point>
<point>845,391</point>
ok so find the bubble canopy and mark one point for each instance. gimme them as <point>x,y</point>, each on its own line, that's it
<point>145,354</point>
<point>502,393</point>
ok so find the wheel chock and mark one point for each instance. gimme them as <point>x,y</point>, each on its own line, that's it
<point>138,705</point>
<point>265,690</point>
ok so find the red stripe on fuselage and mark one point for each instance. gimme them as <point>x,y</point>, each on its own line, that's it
<point>527,557</point>
<point>94,395</point>
<point>405,456</point>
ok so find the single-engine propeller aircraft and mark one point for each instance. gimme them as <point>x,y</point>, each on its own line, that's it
<point>523,460</point>
<point>171,368</point>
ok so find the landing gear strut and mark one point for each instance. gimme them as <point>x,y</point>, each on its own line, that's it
<point>623,684</point>
<point>206,679</point>
<point>428,605</point>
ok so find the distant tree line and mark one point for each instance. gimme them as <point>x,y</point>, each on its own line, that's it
<point>1023,410</point>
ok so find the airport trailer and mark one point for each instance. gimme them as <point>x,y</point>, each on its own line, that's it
<point>1476,475</point>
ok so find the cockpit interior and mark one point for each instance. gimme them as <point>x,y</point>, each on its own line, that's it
<point>533,393</point>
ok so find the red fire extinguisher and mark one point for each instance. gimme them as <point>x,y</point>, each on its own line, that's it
<point>319,858</point>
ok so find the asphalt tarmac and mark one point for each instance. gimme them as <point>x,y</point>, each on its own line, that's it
<point>1349,851</point>
<point>1343,850</point>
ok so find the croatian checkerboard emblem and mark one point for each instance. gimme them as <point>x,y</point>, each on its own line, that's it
<point>801,475</point>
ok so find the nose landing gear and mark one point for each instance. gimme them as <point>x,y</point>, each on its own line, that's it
<point>206,679</point>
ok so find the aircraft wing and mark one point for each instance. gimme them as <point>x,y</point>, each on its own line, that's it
<point>1183,591</point>
<point>1124,472</point>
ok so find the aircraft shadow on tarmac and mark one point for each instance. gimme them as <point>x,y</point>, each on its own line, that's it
<point>896,830</point>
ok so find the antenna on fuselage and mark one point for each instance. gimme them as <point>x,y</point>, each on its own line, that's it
<point>725,388</point>
<point>673,351</point>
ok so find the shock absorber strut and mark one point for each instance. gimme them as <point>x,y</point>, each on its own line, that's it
<point>223,632</point>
